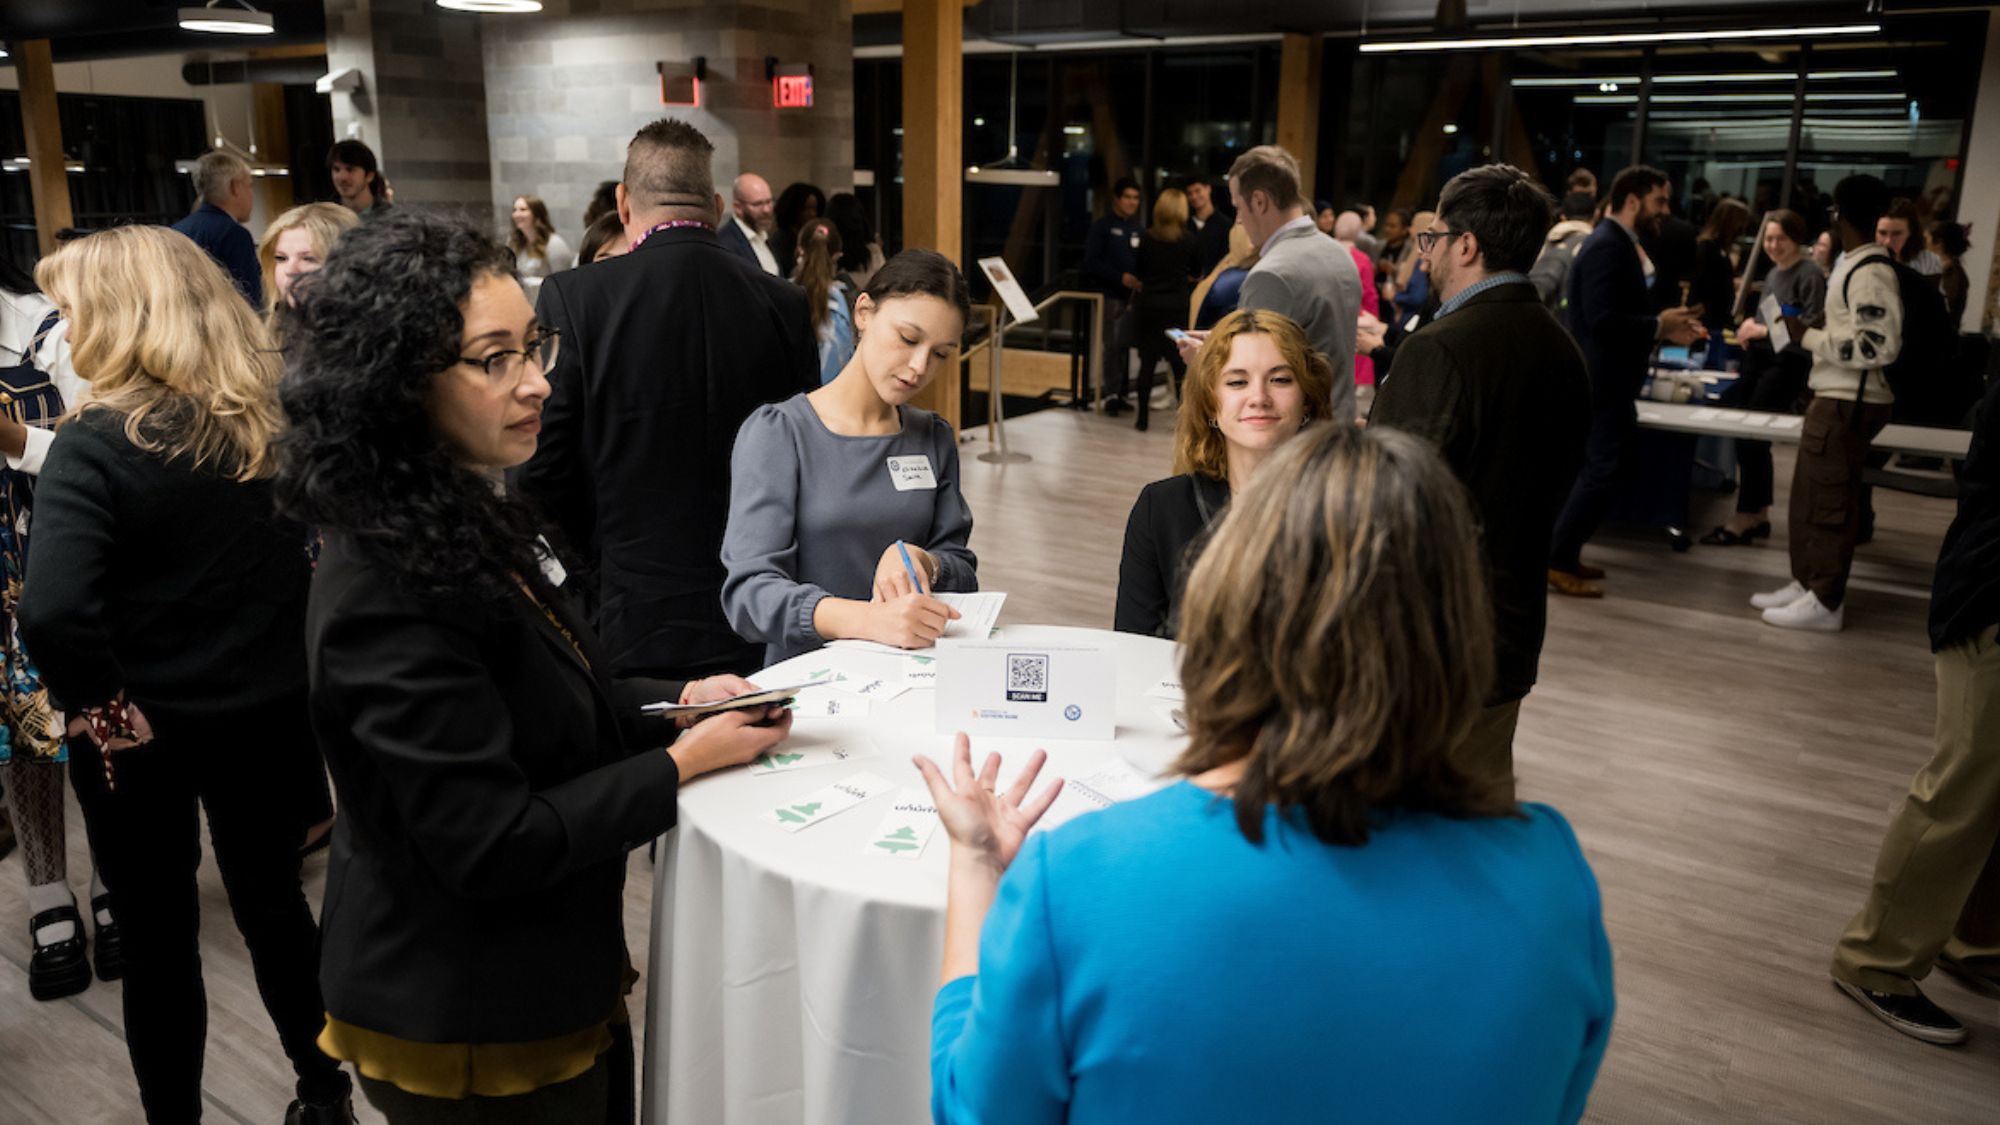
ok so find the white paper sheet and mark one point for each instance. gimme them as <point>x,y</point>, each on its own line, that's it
<point>822,803</point>
<point>1111,783</point>
<point>981,611</point>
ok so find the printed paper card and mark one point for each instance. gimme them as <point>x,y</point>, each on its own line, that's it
<point>907,828</point>
<point>1169,688</point>
<point>782,759</point>
<point>830,705</point>
<point>876,688</point>
<point>822,803</point>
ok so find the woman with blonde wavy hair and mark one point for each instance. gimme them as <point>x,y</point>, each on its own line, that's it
<point>1323,880</point>
<point>1255,382</point>
<point>296,244</point>
<point>165,604</point>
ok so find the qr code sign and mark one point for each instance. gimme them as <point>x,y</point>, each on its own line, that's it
<point>1027,678</point>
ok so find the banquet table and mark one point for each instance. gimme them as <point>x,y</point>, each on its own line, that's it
<point>793,972</point>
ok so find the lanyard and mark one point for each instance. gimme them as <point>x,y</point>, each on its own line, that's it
<point>671,224</point>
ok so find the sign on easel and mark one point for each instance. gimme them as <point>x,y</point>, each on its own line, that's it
<point>1018,305</point>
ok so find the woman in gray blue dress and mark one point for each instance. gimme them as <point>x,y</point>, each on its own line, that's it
<point>828,488</point>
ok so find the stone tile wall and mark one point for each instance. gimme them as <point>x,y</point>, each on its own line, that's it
<point>566,89</point>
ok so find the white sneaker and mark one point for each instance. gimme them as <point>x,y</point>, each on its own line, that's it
<point>1778,598</point>
<point>1807,613</point>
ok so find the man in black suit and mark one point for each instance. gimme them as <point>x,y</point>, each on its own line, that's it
<point>1208,226</point>
<point>1611,315</point>
<point>1500,387</point>
<point>665,351</point>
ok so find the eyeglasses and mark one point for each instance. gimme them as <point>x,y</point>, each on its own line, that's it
<point>1429,238</point>
<point>506,367</point>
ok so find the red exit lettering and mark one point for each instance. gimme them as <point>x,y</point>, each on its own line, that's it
<point>792,91</point>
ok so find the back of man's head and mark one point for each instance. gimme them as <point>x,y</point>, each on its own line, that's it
<point>1862,201</point>
<point>1271,170</point>
<point>1504,209</point>
<point>1579,205</point>
<point>667,165</point>
<point>1640,180</point>
<point>215,172</point>
<point>1347,226</point>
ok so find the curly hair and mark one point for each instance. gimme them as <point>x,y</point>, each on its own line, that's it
<point>381,320</point>
<point>1199,446</point>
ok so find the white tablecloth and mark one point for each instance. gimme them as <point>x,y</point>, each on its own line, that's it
<point>792,974</point>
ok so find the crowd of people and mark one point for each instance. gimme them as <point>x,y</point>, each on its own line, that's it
<point>419,524</point>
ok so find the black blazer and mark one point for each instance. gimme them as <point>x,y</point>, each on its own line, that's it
<point>1610,314</point>
<point>490,786</point>
<point>732,239</point>
<point>1161,542</point>
<point>179,586</point>
<point>1501,389</point>
<point>665,352</point>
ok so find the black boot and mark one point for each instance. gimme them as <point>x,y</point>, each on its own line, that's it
<point>110,945</point>
<point>339,1111</point>
<point>61,968</point>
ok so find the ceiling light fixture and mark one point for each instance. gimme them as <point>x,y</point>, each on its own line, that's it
<point>1692,79</point>
<point>240,20</point>
<point>1703,99</point>
<point>492,7</point>
<point>1597,39</point>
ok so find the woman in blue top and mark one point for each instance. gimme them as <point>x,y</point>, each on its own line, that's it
<point>1326,919</point>
<point>827,487</point>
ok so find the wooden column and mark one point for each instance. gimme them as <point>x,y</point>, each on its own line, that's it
<point>1299,61</point>
<point>933,164</point>
<point>274,145</point>
<point>48,180</point>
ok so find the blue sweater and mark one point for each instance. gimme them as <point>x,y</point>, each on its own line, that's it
<point>1147,963</point>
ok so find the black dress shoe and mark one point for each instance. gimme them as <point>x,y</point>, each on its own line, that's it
<point>61,968</point>
<point>1723,537</point>
<point>1913,1015</point>
<point>110,943</point>
<point>1761,531</point>
<point>302,1112</point>
<point>1114,406</point>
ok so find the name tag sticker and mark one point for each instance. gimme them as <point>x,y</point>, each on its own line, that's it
<point>911,474</point>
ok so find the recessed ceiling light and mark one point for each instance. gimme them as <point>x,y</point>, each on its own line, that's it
<point>240,20</point>
<point>492,6</point>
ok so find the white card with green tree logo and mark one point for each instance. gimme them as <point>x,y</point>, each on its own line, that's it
<point>830,705</point>
<point>785,757</point>
<point>822,803</point>
<point>907,828</point>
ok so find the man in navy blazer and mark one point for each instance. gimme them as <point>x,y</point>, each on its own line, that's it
<point>1612,318</point>
<point>223,181</point>
<point>747,232</point>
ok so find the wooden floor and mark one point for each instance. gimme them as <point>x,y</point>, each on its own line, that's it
<point>1730,783</point>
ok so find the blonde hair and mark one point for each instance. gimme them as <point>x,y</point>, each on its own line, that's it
<point>323,222</point>
<point>1199,446</point>
<point>163,337</point>
<point>1170,215</point>
<point>1241,255</point>
<point>1337,638</point>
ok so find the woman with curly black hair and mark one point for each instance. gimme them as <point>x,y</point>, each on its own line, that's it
<point>491,778</point>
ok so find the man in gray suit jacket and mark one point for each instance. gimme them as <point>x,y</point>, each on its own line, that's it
<point>1300,272</point>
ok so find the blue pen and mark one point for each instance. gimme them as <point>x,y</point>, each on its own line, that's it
<point>909,567</point>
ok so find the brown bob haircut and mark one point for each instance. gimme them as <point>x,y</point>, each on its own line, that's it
<point>1338,636</point>
<point>1198,445</point>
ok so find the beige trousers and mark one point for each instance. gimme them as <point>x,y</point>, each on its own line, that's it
<point>1937,881</point>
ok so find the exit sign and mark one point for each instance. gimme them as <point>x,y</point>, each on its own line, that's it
<point>792,91</point>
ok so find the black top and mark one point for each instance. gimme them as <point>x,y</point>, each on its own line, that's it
<point>1499,386</point>
<point>490,786</point>
<point>1110,251</point>
<point>666,351</point>
<point>1965,592</point>
<point>179,586</point>
<point>1714,287</point>
<point>1610,314</point>
<point>1166,272</point>
<point>1161,543</point>
<point>1211,242</point>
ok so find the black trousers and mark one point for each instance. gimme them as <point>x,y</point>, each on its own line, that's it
<point>1119,330</point>
<point>147,838</point>
<point>1767,381</point>
<point>1613,420</point>
<point>604,1093</point>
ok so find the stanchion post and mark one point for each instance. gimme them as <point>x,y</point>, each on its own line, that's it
<point>996,421</point>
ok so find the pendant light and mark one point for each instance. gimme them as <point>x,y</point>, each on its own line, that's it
<point>218,20</point>
<point>492,7</point>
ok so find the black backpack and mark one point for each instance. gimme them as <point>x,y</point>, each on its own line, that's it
<point>1924,378</point>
